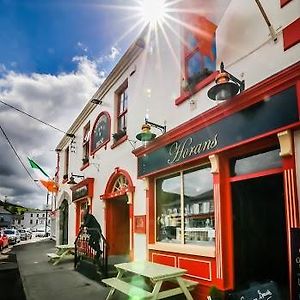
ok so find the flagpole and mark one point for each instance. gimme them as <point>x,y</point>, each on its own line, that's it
<point>46,233</point>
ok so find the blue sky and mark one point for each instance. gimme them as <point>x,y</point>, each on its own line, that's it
<point>44,35</point>
<point>54,54</point>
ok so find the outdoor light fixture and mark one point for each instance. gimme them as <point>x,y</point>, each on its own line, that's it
<point>226,86</point>
<point>72,180</point>
<point>96,101</point>
<point>146,135</point>
<point>71,135</point>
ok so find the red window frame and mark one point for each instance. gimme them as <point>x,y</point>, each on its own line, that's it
<point>86,144</point>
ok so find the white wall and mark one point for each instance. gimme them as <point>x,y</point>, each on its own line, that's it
<point>245,46</point>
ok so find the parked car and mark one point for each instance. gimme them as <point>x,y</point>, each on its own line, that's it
<point>13,236</point>
<point>3,240</point>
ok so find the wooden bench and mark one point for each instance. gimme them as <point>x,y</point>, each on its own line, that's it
<point>127,288</point>
<point>157,274</point>
<point>62,252</point>
<point>53,255</point>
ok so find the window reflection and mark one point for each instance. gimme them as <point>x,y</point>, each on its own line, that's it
<point>184,201</point>
<point>255,163</point>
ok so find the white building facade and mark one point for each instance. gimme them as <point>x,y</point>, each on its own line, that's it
<point>187,198</point>
<point>33,219</point>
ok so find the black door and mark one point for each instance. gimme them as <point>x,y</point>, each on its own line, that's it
<point>260,242</point>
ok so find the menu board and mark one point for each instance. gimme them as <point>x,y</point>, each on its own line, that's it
<point>261,291</point>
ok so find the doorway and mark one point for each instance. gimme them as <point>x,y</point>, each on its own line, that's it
<point>260,234</point>
<point>64,220</point>
<point>118,227</point>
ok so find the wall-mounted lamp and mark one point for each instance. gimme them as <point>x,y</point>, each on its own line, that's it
<point>96,101</point>
<point>71,135</point>
<point>72,180</point>
<point>224,88</point>
<point>146,135</point>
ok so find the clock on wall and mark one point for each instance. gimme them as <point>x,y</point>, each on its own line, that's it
<point>101,132</point>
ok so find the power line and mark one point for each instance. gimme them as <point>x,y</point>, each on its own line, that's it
<point>17,155</point>
<point>35,118</point>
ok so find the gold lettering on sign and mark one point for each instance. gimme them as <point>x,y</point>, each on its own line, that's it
<point>181,150</point>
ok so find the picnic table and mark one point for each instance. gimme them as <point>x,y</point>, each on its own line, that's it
<point>157,274</point>
<point>62,252</point>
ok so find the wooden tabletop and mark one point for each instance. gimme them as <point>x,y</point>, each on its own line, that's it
<point>151,270</point>
<point>72,246</point>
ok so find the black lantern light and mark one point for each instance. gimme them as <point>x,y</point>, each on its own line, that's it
<point>146,135</point>
<point>226,86</point>
<point>72,180</point>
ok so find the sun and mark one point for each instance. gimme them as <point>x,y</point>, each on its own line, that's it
<point>153,11</point>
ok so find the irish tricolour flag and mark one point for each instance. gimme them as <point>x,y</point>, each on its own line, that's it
<point>43,177</point>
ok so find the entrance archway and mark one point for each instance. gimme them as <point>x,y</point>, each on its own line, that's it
<point>118,213</point>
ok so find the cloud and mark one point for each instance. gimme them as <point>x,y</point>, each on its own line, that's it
<point>56,99</point>
<point>114,53</point>
<point>82,46</point>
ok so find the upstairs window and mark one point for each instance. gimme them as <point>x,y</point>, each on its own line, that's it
<point>86,144</point>
<point>199,50</point>
<point>121,111</point>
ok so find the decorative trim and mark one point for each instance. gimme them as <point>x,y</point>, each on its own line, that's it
<point>284,2</point>
<point>214,161</point>
<point>291,34</point>
<point>218,230</point>
<point>197,260</point>
<point>291,211</point>
<point>286,143</point>
<point>188,94</point>
<point>163,255</point>
<point>120,141</point>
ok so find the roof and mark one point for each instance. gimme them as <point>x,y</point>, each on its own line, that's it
<point>124,63</point>
<point>4,211</point>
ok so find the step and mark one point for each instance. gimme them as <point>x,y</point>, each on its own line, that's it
<point>127,288</point>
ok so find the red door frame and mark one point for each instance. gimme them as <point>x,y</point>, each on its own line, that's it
<point>109,195</point>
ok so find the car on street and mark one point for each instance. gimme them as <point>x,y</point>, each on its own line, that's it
<point>3,240</point>
<point>13,236</point>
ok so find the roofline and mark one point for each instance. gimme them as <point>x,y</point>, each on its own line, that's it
<point>130,55</point>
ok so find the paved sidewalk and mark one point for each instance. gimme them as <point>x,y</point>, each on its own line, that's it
<point>42,280</point>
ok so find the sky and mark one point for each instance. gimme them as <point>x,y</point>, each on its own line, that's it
<point>54,54</point>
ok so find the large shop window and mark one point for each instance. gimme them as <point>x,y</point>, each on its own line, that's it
<point>184,203</point>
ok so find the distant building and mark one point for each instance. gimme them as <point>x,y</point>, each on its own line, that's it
<point>6,218</point>
<point>33,218</point>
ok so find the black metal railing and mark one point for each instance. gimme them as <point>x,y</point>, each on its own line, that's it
<point>86,246</point>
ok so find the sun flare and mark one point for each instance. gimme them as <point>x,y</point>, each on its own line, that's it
<point>153,11</point>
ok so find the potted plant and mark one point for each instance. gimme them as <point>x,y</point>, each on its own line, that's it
<point>119,134</point>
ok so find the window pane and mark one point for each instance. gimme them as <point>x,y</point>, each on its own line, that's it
<point>199,221</point>
<point>168,209</point>
<point>194,64</point>
<point>191,41</point>
<point>255,163</point>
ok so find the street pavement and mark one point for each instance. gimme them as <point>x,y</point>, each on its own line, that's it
<point>43,281</point>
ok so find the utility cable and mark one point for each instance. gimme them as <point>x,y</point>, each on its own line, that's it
<point>17,155</point>
<point>30,116</point>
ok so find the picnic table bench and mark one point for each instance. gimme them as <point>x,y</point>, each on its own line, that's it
<point>157,274</point>
<point>62,252</point>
